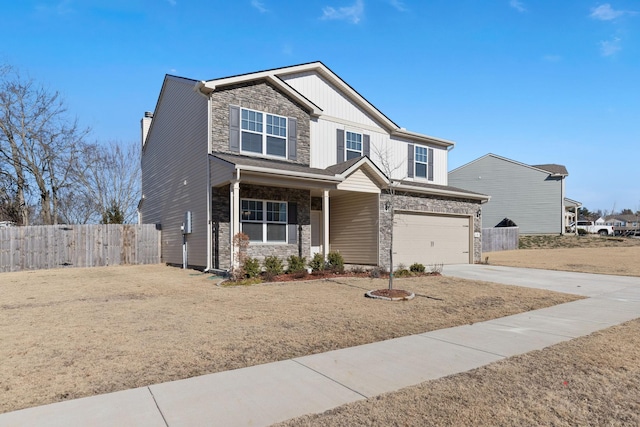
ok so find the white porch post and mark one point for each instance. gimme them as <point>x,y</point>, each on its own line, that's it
<point>235,220</point>
<point>325,223</point>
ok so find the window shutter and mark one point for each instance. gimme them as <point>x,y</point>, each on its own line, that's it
<point>292,222</point>
<point>430,165</point>
<point>366,146</point>
<point>410,162</point>
<point>234,128</point>
<point>292,137</point>
<point>340,145</point>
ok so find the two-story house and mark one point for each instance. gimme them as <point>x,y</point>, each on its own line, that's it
<point>300,162</point>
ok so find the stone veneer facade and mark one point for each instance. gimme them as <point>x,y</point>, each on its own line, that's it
<point>427,204</point>
<point>263,97</point>
<point>222,228</point>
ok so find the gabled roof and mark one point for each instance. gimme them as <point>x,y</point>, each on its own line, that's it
<point>274,76</point>
<point>553,169</point>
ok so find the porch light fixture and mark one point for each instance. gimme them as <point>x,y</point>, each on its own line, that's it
<point>387,205</point>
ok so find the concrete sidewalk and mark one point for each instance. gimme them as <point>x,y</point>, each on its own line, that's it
<point>265,394</point>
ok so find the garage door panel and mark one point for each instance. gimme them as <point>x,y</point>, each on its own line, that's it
<point>430,239</point>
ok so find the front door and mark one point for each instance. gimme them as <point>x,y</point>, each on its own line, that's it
<point>316,232</point>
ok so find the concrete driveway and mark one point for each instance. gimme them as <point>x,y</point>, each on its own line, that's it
<point>589,285</point>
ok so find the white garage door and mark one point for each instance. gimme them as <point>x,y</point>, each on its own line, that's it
<point>430,239</point>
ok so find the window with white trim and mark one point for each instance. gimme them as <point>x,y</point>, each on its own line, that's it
<point>264,221</point>
<point>421,159</point>
<point>268,138</point>
<point>353,144</point>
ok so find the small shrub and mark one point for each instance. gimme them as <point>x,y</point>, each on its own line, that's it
<point>582,232</point>
<point>273,265</point>
<point>251,267</point>
<point>317,263</point>
<point>268,276</point>
<point>401,271</point>
<point>375,273</point>
<point>357,269</point>
<point>335,262</point>
<point>296,264</point>
<point>416,267</point>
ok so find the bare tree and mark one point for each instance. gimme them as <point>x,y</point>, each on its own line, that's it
<point>108,183</point>
<point>389,167</point>
<point>38,141</point>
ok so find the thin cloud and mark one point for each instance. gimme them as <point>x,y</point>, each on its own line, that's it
<point>398,4</point>
<point>552,58</point>
<point>610,47</point>
<point>61,8</point>
<point>259,6</point>
<point>172,2</point>
<point>606,13</point>
<point>517,5</point>
<point>352,13</point>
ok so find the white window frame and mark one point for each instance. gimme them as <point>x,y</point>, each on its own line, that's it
<point>265,222</point>
<point>417,162</point>
<point>347,149</point>
<point>263,132</point>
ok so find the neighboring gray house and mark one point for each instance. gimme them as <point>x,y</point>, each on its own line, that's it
<point>532,196</point>
<point>293,157</point>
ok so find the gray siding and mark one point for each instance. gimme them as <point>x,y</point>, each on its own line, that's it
<point>174,170</point>
<point>527,196</point>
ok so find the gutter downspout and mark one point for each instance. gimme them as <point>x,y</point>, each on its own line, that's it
<point>198,89</point>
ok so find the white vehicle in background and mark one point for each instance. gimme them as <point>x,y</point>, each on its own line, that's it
<point>593,228</point>
<point>4,224</point>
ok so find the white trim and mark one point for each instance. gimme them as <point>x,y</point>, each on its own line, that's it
<point>264,134</point>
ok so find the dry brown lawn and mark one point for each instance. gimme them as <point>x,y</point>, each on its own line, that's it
<point>588,254</point>
<point>70,333</point>
<point>590,381</point>
<point>79,332</point>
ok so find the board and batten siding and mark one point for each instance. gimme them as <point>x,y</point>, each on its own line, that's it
<point>353,227</point>
<point>323,150</point>
<point>174,171</point>
<point>326,96</point>
<point>525,195</point>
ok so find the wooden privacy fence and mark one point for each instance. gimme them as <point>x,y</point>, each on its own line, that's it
<point>500,239</point>
<point>55,246</point>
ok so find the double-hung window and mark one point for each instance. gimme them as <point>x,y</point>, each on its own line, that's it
<point>263,133</point>
<point>264,221</point>
<point>421,159</point>
<point>353,145</point>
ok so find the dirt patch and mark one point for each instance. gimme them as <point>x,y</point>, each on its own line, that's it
<point>71,333</point>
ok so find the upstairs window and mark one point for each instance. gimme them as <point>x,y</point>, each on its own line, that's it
<point>421,160</point>
<point>353,145</point>
<point>268,138</point>
<point>264,221</point>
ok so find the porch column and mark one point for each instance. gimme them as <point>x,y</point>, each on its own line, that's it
<point>325,223</point>
<point>235,219</point>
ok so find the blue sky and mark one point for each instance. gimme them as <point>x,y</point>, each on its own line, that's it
<point>535,81</point>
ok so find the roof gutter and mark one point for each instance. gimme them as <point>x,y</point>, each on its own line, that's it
<point>481,197</point>
<point>306,175</point>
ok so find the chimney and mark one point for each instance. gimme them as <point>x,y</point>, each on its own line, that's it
<point>145,124</point>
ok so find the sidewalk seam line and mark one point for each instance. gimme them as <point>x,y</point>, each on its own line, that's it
<point>329,378</point>
<point>463,346</point>
<point>158,406</point>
